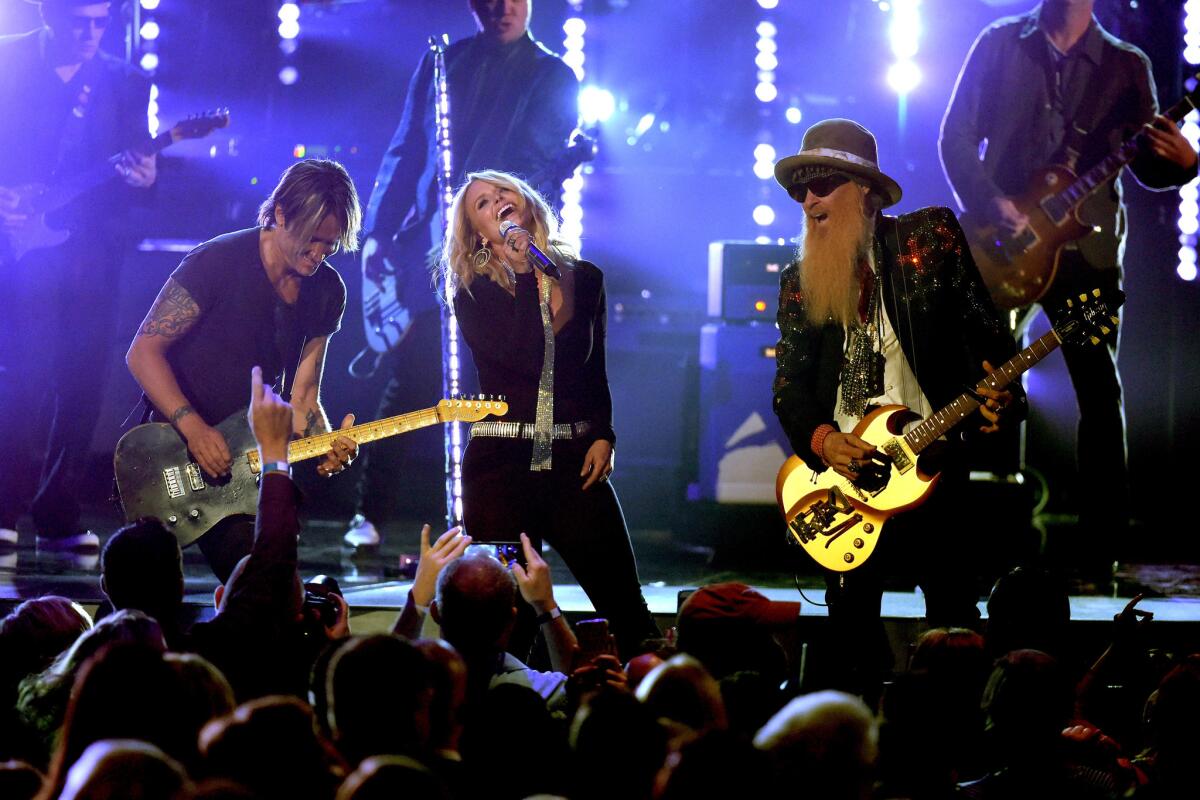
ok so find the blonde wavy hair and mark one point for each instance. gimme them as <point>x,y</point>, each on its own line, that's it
<point>462,240</point>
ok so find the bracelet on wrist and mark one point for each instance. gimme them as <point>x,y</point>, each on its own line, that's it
<point>549,616</point>
<point>277,466</point>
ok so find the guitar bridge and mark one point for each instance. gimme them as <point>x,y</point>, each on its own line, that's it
<point>900,459</point>
<point>172,478</point>
<point>818,518</point>
<point>195,479</point>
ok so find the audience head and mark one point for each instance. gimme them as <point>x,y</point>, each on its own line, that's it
<point>125,769</point>
<point>125,691</point>
<point>271,746</point>
<point>507,724</point>
<point>715,764</point>
<point>639,667</point>
<point>35,633</point>
<point>618,747</point>
<point>729,627</point>
<point>141,566</point>
<point>1028,609</point>
<point>448,680</point>
<point>389,777</point>
<point>1028,701</point>
<point>681,690</point>
<point>1172,711</point>
<point>826,742</point>
<point>223,591</point>
<point>204,695</point>
<point>377,698</point>
<point>476,605</point>
<point>19,780</point>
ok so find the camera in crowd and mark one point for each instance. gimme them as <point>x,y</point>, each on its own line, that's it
<point>321,610</point>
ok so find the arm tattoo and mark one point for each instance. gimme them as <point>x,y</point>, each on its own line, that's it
<point>180,413</point>
<point>315,423</point>
<point>173,313</point>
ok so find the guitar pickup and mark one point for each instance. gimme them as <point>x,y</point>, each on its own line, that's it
<point>172,478</point>
<point>195,479</point>
<point>900,459</point>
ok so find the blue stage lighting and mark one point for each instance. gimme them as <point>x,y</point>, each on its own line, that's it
<point>596,104</point>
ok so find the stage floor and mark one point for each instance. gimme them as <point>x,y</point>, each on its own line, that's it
<point>376,583</point>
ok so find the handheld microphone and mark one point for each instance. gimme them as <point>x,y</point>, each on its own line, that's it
<point>536,256</point>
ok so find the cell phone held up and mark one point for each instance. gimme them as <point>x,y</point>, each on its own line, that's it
<point>318,606</point>
<point>594,639</point>
<point>507,553</point>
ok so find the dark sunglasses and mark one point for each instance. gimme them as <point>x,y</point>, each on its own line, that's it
<point>79,22</point>
<point>820,187</point>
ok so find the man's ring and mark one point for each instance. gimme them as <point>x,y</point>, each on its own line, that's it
<point>852,465</point>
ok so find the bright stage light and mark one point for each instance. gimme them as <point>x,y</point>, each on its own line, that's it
<point>149,61</point>
<point>764,170</point>
<point>574,27</point>
<point>1189,210</point>
<point>150,30</point>
<point>905,30</point>
<point>764,152</point>
<point>289,12</point>
<point>764,215</point>
<point>766,92</point>
<point>1186,271</point>
<point>289,75</point>
<point>149,5</point>
<point>766,29</point>
<point>766,61</point>
<point>768,4</point>
<point>903,76</point>
<point>596,104</point>
<point>289,29</point>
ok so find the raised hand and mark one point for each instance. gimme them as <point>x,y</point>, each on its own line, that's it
<point>448,547</point>
<point>534,578</point>
<point>270,418</point>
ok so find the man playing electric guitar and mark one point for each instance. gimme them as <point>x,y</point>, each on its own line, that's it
<point>1053,87</point>
<point>513,107</point>
<point>261,297</point>
<point>68,106</point>
<point>882,310</point>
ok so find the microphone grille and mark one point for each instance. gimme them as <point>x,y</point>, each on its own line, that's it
<point>507,226</point>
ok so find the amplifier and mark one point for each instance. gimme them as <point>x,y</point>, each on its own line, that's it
<point>743,279</point>
<point>742,445</point>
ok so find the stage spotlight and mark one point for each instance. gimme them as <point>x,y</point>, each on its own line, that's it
<point>149,62</point>
<point>766,92</point>
<point>766,61</point>
<point>289,75</point>
<point>289,29</point>
<point>764,215</point>
<point>763,170</point>
<point>764,152</point>
<point>150,30</point>
<point>793,115</point>
<point>903,76</point>
<point>768,4</point>
<point>574,27</point>
<point>905,29</point>
<point>596,104</point>
<point>1186,271</point>
<point>766,29</point>
<point>289,12</point>
<point>149,5</point>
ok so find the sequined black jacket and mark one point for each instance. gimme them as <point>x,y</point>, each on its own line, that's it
<point>936,303</point>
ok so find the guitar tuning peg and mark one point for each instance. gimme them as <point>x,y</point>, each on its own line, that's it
<point>1095,292</point>
<point>1095,339</point>
<point>1070,303</point>
<point>1105,330</point>
<point>1115,320</point>
<point>1083,297</point>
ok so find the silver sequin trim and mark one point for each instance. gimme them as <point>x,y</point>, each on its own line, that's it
<point>543,419</point>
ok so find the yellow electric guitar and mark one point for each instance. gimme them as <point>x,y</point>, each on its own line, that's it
<point>838,521</point>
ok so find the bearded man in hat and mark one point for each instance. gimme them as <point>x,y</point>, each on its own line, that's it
<point>69,107</point>
<point>882,310</point>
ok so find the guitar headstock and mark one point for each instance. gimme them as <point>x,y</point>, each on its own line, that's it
<point>200,125</point>
<point>471,409</point>
<point>1089,317</point>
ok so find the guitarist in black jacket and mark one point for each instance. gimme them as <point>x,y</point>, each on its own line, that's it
<point>513,107</point>
<point>1053,87</point>
<point>882,310</point>
<point>68,107</point>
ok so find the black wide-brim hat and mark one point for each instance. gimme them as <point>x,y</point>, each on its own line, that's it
<point>837,145</point>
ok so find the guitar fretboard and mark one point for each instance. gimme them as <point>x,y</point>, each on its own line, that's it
<point>319,445</point>
<point>965,404</point>
<point>1068,198</point>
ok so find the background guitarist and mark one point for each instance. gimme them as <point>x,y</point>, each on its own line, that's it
<point>513,107</point>
<point>1053,87</point>
<point>261,297</point>
<point>68,106</point>
<point>881,310</point>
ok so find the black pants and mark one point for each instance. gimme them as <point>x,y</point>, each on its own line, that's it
<point>57,334</point>
<point>1100,440</point>
<point>502,498</point>
<point>932,544</point>
<point>406,474</point>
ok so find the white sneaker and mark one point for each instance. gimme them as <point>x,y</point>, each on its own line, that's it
<point>361,533</point>
<point>61,544</point>
<point>8,536</point>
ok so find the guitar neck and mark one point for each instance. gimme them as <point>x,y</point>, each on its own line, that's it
<point>322,443</point>
<point>1108,168</point>
<point>62,193</point>
<point>965,404</point>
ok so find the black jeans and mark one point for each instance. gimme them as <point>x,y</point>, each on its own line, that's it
<point>1100,448</point>
<point>57,335</point>
<point>931,544</point>
<point>502,498</point>
<point>406,473</point>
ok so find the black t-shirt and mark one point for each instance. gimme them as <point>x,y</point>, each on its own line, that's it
<point>243,323</point>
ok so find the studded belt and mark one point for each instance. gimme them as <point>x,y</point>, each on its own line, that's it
<point>524,430</point>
